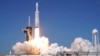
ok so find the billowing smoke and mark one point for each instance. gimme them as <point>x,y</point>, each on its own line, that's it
<point>54,48</point>
<point>83,45</point>
<point>35,46</point>
<point>79,45</point>
<point>23,48</point>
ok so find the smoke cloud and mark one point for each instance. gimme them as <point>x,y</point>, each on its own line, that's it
<point>54,48</point>
<point>34,46</point>
<point>78,45</point>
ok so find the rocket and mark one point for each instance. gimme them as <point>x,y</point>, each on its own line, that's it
<point>29,30</point>
<point>36,29</point>
<point>37,16</point>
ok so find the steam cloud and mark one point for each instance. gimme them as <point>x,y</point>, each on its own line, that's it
<point>79,45</point>
<point>34,46</point>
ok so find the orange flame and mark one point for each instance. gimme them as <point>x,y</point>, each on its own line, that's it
<point>39,43</point>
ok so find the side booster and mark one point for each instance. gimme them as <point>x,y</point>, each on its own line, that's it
<point>28,32</point>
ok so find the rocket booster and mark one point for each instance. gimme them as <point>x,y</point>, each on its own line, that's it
<point>37,16</point>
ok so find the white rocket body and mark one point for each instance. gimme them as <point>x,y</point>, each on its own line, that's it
<point>36,30</point>
<point>37,17</point>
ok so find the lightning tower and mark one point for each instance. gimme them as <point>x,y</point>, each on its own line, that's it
<point>95,37</point>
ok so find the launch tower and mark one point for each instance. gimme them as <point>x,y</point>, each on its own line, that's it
<point>28,31</point>
<point>95,37</point>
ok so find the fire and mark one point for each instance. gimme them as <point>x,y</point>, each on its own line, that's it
<point>35,46</point>
<point>39,43</point>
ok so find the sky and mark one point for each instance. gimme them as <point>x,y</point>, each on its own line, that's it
<point>60,20</point>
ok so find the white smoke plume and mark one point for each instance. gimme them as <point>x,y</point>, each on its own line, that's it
<point>82,45</point>
<point>34,46</point>
<point>22,48</point>
<point>79,45</point>
<point>54,48</point>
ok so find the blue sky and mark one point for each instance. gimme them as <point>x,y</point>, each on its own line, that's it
<point>60,20</point>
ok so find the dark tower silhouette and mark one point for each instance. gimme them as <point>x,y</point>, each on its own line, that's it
<point>28,31</point>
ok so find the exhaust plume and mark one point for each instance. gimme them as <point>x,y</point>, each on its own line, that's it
<point>79,45</point>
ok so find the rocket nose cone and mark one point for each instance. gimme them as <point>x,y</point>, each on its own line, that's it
<point>36,4</point>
